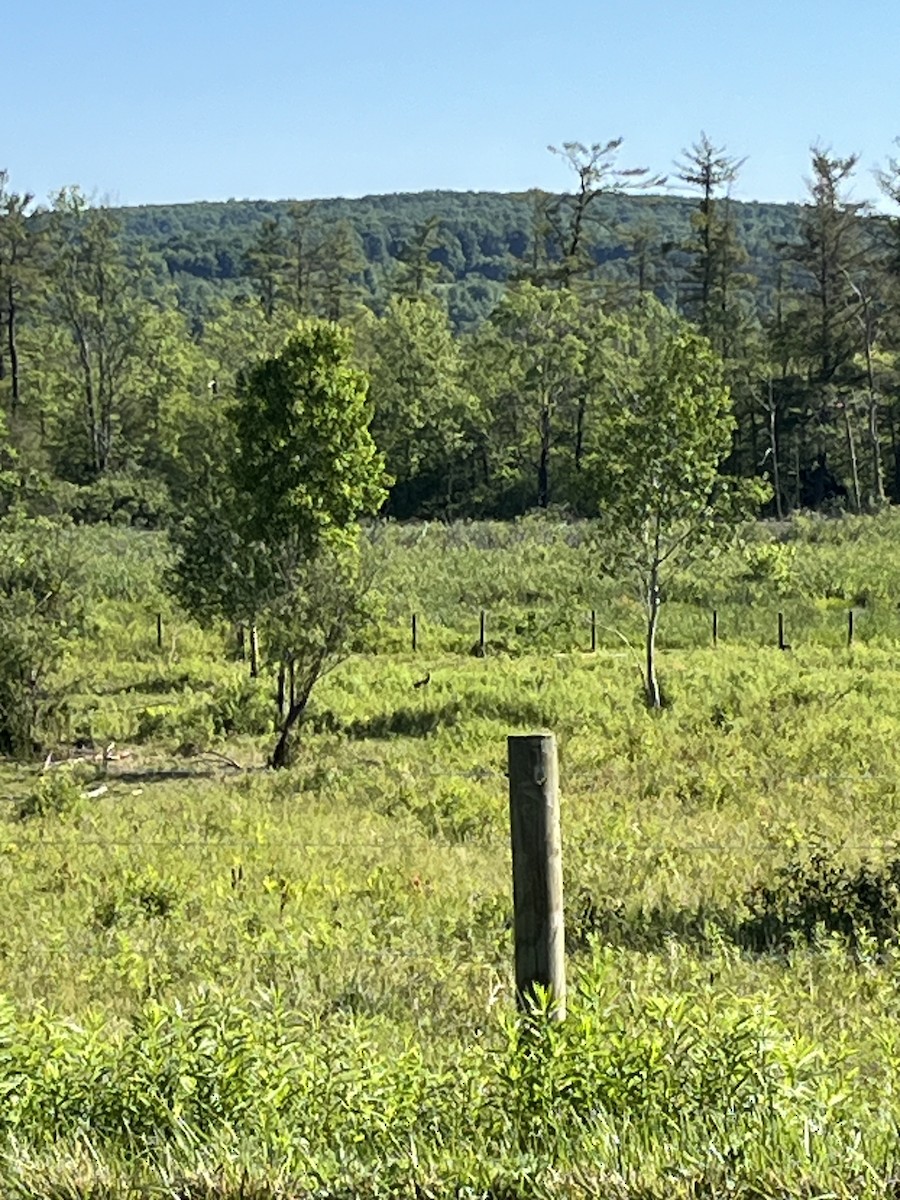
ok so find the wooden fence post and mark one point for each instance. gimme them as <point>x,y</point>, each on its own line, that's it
<point>537,869</point>
<point>415,633</point>
<point>159,631</point>
<point>254,652</point>
<point>593,630</point>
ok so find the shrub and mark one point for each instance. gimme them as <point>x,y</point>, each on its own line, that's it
<point>139,896</point>
<point>116,499</point>
<point>237,706</point>
<point>57,791</point>
<point>818,894</point>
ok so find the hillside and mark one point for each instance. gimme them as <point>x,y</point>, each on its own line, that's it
<point>485,238</point>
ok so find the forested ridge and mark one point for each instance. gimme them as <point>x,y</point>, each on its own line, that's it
<point>485,242</point>
<point>497,331</point>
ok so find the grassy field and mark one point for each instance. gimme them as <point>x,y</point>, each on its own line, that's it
<point>220,981</point>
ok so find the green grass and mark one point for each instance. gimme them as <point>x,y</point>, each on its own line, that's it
<point>224,982</point>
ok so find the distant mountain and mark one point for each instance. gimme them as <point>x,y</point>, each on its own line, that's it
<point>486,238</point>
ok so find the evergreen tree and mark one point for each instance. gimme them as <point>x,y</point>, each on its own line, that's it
<point>418,269</point>
<point>266,263</point>
<point>821,330</point>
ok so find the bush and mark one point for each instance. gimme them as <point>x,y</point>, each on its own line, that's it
<point>237,706</point>
<point>57,791</point>
<point>814,895</point>
<point>139,896</point>
<point>116,499</point>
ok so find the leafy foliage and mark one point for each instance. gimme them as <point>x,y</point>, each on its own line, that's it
<point>271,539</point>
<point>40,611</point>
<point>816,896</point>
<point>658,487</point>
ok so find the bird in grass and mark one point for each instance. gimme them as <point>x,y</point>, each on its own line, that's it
<point>420,683</point>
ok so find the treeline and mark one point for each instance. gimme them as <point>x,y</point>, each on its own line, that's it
<point>495,331</point>
<point>485,242</point>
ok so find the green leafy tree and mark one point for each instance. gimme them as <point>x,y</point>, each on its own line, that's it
<point>539,366</point>
<point>95,378</point>
<point>424,418</point>
<point>273,540</point>
<point>659,492</point>
<point>528,367</point>
<point>41,609</point>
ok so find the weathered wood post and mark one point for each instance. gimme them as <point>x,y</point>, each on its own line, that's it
<point>415,633</point>
<point>254,652</point>
<point>159,631</point>
<point>593,630</point>
<point>850,627</point>
<point>715,628</point>
<point>537,869</point>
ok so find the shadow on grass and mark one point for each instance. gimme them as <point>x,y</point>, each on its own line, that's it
<point>420,720</point>
<point>646,930</point>
<point>406,721</point>
<point>817,896</point>
<point>159,685</point>
<point>166,774</point>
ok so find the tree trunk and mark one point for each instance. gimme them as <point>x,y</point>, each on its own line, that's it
<point>651,683</point>
<point>797,487</point>
<point>543,497</point>
<point>90,402</point>
<point>895,455</point>
<point>754,441</point>
<point>580,418</point>
<point>874,439</point>
<point>13,347</point>
<point>875,449</point>
<point>851,452</point>
<point>281,753</point>
<point>773,446</point>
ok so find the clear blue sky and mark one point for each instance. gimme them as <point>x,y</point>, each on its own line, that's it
<point>187,99</point>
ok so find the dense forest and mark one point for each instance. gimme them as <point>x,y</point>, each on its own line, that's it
<point>493,329</point>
